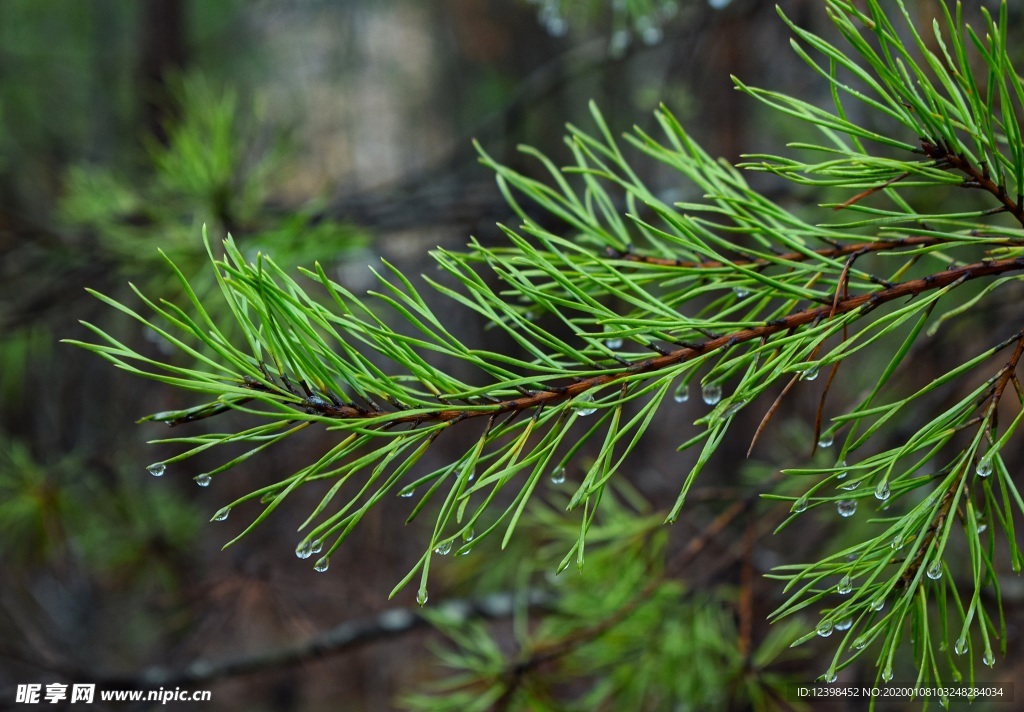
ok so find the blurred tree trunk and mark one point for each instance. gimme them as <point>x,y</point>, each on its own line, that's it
<point>162,33</point>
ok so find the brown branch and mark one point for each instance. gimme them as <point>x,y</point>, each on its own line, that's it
<point>771,413</point>
<point>933,529</point>
<point>975,177</point>
<point>819,416</point>
<point>555,394</point>
<point>871,191</point>
<point>911,288</point>
<point>1008,370</point>
<point>745,605</point>
<point>391,623</point>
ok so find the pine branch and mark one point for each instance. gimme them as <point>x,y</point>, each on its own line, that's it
<point>639,297</point>
<point>975,177</point>
<point>856,250</point>
<point>940,280</point>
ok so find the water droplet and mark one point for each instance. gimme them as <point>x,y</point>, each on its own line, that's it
<point>203,480</point>
<point>882,491</point>
<point>831,676</point>
<point>406,493</point>
<point>844,587</point>
<point>846,507</point>
<point>878,604</point>
<point>740,292</point>
<point>860,643</point>
<point>421,597</point>
<point>800,505</point>
<point>989,659</point>
<point>584,405</point>
<point>317,547</point>
<point>887,674</point>
<point>839,465</point>
<point>557,26</point>
<point>849,486</point>
<point>719,4</point>
<point>620,42</point>
<point>316,402</point>
<point>682,393</point>
<point>810,374</point>
<point>469,536</point>
<point>985,466</point>
<point>157,469</point>
<point>322,564</point>
<point>221,514</point>
<point>961,646</point>
<point>825,629</point>
<point>558,475</point>
<point>826,440</point>
<point>845,625</point>
<point>652,35</point>
<point>897,543</point>
<point>711,393</point>
<point>613,342</point>
<point>443,549</point>
<point>305,549</point>
<point>934,571</point>
<point>982,527</point>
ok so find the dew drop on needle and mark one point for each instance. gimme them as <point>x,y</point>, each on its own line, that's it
<point>985,466</point>
<point>584,405</point>
<point>882,491</point>
<point>846,507</point>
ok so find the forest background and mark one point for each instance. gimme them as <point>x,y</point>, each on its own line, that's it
<point>337,132</point>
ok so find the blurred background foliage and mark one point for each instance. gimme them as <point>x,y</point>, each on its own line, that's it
<point>341,132</point>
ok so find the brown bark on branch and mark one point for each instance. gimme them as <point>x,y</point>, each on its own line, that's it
<point>911,288</point>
